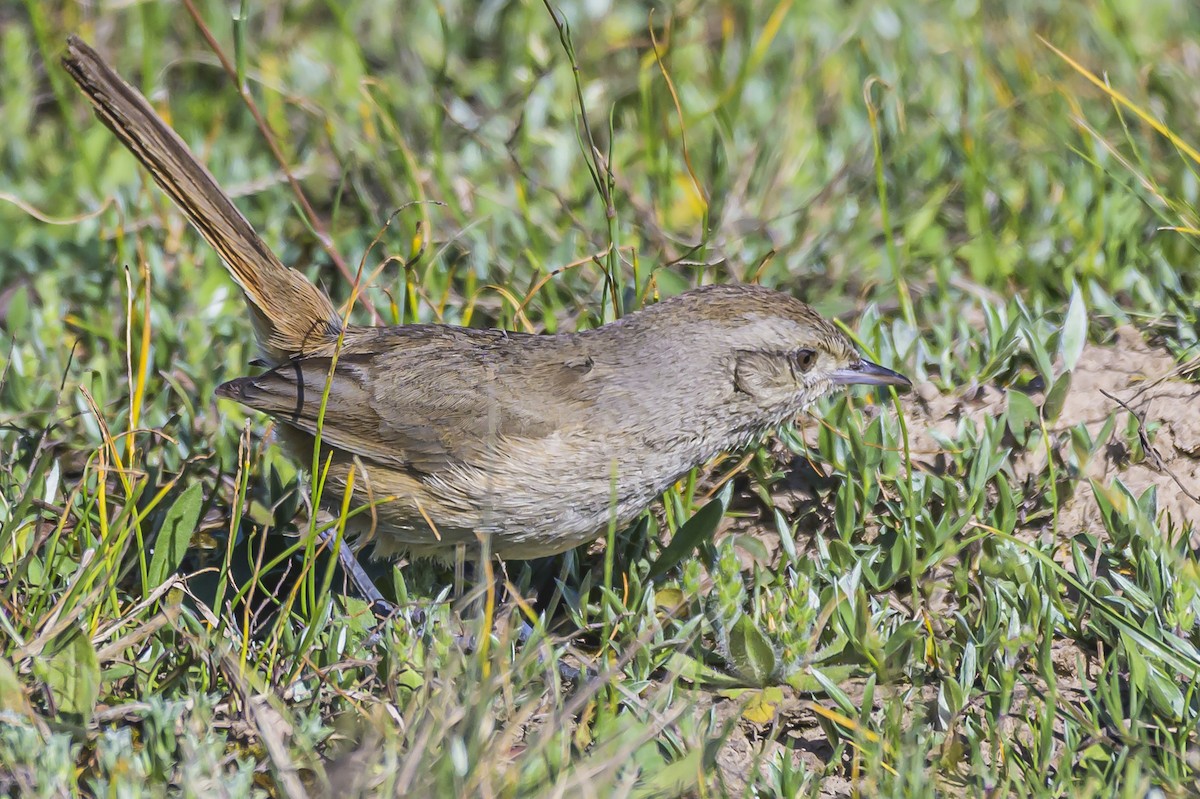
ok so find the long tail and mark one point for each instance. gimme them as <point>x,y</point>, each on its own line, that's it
<point>292,317</point>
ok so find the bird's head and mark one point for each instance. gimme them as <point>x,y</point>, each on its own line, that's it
<point>784,354</point>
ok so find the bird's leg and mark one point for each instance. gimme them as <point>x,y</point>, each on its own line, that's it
<point>354,570</point>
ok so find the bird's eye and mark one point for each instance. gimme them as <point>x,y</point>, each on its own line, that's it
<point>805,360</point>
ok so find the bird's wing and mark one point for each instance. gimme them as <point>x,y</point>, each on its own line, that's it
<point>428,402</point>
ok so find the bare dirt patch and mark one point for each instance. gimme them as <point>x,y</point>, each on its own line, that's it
<point>1143,377</point>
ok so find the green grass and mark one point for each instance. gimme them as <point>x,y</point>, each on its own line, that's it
<point>886,610</point>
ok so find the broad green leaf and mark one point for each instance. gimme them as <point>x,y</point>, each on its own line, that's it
<point>835,693</point>
<point>692,670</point>
<point>752,546</point>
<point>668,598</point>
<point>410,679</point>
<point>1022,415</point>
<point>1165,695</point>
<point>805,682</point>
<point>1036,346</point>
<point>752,654</point>
<point>1074,331</point>
<point>1056,397</point>
<point>73,675</point>
<point>174,535</point>
<point>786,539</point>
<point>1138,667</point>
<point>692,533</point>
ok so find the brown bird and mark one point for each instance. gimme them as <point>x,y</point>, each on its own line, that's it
<point>536,441</point>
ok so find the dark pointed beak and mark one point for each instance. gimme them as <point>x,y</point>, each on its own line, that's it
<point>865,373</point>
